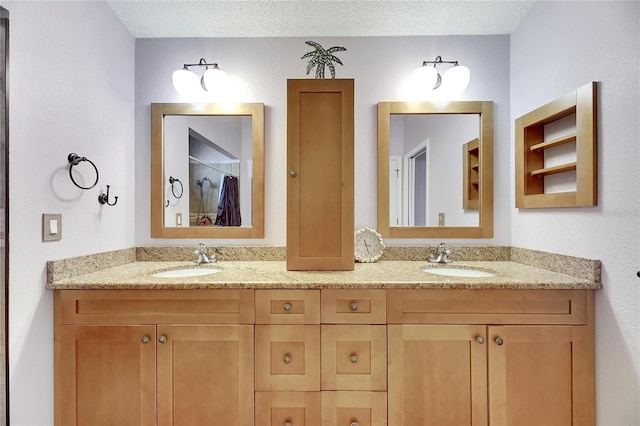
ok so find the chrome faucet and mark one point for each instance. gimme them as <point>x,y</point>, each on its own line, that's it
<point>443,254</point>
<point>202,255</point>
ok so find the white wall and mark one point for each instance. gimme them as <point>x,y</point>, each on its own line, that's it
<point>72,85</point>
<point>557,48</point>
<point>380,67</point>
<point>71,89</point>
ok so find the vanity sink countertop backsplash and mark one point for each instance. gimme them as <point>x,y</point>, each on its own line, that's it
<point>265,267</point>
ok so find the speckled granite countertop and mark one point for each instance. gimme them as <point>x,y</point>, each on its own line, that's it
<point>274,275</point>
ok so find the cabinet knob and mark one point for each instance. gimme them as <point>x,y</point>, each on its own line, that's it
<point>287,359</point>
<point>287,307</point>
<point>354,424</point>
<point>354,358</point>
<point>354,306</point>
<point>293,173</point>
<point>162,339</point>
<point>480,339</point>
<point>145,339</point>
<point>287,424</point>
<point>499,341</point>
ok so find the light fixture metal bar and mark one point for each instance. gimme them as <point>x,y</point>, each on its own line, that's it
<point>202,63</point>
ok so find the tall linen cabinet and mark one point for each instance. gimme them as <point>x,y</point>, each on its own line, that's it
<point>320,177</point>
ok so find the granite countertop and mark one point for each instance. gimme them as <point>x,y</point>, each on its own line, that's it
<point>274,275</point>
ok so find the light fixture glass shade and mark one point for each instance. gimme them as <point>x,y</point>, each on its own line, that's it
<point>215,79</point>
<point>425,77</point>
<point>455,79</point>
<point>185,82</point>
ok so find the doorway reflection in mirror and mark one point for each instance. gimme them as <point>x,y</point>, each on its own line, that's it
<point>426,169</point>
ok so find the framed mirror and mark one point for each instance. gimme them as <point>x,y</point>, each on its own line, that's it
<point>207,170</point>
<point>435,169</point>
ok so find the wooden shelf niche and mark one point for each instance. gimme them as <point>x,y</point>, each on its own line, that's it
<point>534,152</point>
<point>471,175</point>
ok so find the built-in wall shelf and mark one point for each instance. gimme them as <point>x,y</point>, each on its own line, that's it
<point>553,143</point>
<point>471,177</point>
<point>541,153</point>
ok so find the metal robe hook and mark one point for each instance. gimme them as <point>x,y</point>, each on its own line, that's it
<point>104,198</point>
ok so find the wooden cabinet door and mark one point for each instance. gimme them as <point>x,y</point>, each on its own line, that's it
<point>354,409</point>
<point>541,375</point>
<point>288,409</point>
<point>205,375</point>
<point>107,376</point>
<point>437,375</point>
<point>320,157</point>
<point>354,357</point>
<point>287,357</point>
<point>287,306</point>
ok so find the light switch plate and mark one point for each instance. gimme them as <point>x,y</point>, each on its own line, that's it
<point>440,219</point>
<point>51,227</point>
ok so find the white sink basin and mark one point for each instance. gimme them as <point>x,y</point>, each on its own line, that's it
<point>186,272</point>
<point>460,272</point>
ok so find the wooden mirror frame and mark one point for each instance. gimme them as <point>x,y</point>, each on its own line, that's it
<point>485,110</point>
<point>158,112</point>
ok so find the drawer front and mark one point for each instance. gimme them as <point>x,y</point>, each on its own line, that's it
<point>349,306</point>
<point>155,306</point>
<point>287,357</point>
<point>487,306</point>
<point>354,357</point>
<point>288,408</point>
<point>287,306</point>
<point>354,408</point>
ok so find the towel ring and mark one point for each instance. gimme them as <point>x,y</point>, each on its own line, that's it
<point>74,160</point>
<point>171,181</point>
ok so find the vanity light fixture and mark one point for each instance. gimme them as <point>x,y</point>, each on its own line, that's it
<point>187,83</point>
<point>454,80</point>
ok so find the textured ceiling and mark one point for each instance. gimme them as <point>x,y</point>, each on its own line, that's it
<point>304,18</point>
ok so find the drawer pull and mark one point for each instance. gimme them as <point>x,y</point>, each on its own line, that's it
<point>145,339</point>
<point>287,307</point>
<point>354,358</point>
<point>287,359</point>
<point>480,339</point>
<point>287,423</point>
<point>354,306</point>
<point>354,424</point>
<point>499,341</point>
<point>162,339</point>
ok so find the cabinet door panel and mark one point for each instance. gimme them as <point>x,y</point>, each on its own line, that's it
<point>354,408</point>
<point>354,357</point>
<point>107,375</point>
<point>320,154</point>
<point>437,375</point>
<point>287,306</point>
<point>295,408</point>
<point>541,375</point>
<point>205,375</point>
<point>349,306</point>
<point>288,357</point>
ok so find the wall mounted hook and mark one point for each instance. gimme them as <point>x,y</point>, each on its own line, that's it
<point>104,198</point>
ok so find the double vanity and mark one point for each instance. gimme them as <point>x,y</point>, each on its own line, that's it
<point>397,342</point>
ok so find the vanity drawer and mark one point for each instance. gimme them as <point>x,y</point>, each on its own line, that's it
<point>347,306</point>
<point>354,357</point>
<point>487,306</point>
<point>347,408</point>
<point>287,357</point>
<point>293,408</point>
<point>154,306</point>
<point>287,306</point>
